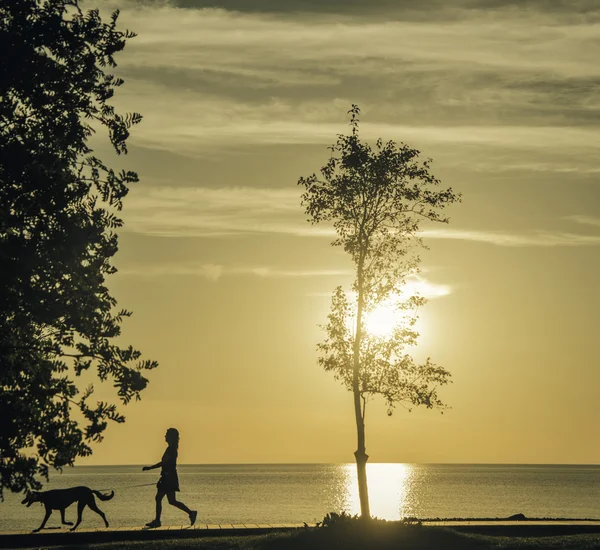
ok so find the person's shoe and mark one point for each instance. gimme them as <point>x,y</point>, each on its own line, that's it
<point>193,516</point>
<point>153,524</point>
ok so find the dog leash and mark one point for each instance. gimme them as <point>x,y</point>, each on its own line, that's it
<point>126,487</point>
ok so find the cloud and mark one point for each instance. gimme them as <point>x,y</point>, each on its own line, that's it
<point>218,212</point>
<point>585,220</point>
<point>536,238</point>
<point>439,10</point>
<point>214,272</point>
<point>205,212</point>
<point>211,272</point>
<point>415,285</point>
<point>270,272</point>
<point>195,123</point>
<point>524,79</point>
<point>420,286</point>
<point>500,86</point>
<point>250,44</point>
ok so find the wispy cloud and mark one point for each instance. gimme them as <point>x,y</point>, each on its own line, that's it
<point>205,212</point>
<point>584,220</point>
<point>415,285</point>
<point>211,272</point>
<point>524,79</point>
<point>195,123</point>
<point>231,41</point>
<point>535,238</point>
<point>218,212</point>
<point>499,86</point>
<point>214,272</point>
<point>420,286</point>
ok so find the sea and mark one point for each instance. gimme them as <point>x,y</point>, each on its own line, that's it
<point>297,493</point>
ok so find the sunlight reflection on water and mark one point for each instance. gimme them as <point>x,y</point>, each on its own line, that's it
<point>292,493</point>
<point>391,490</point>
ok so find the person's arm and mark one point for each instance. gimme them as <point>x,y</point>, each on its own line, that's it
<point>157,465</point>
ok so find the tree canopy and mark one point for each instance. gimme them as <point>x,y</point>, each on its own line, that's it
<point>376,200</point>
<point>59,207</point>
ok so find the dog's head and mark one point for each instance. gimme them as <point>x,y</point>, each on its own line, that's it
<point>30,498</point>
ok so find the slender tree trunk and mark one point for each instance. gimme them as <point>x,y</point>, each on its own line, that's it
<point>361,464</point>
<point>360,454</point>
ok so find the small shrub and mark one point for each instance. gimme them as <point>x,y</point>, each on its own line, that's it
<point>333,519</point>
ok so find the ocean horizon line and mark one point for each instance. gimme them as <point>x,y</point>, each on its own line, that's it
<point>550,464</point>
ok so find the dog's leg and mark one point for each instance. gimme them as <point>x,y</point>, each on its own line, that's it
<point>80,507</point>
<point>48,512</point>
<point>62,517</point>
<point>94,507</point>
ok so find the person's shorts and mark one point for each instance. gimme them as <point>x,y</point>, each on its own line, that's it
<point>167,484</point>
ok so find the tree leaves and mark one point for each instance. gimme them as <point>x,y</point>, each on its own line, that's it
<point>58,217</point>
<point>376,199</point>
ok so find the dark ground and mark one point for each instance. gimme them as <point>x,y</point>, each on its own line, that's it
<point>354,537</point>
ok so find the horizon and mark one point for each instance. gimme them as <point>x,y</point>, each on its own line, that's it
<point>338,463</point>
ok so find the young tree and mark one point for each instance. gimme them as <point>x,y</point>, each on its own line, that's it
<point>58,216</point>
<point>375,199</point>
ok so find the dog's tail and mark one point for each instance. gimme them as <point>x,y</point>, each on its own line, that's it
<point>103,497</point>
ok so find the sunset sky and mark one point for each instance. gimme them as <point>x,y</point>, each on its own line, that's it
<point>228,282</point>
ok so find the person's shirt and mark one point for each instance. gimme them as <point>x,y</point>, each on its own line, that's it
<point>169,461</point>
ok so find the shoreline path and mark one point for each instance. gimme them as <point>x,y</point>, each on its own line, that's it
<point>54,537</point>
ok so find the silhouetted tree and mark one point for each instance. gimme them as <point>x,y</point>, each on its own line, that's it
<point>375,199</point>
<point>58,216</point>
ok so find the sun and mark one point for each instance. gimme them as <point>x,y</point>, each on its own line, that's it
<point>385,317</point>
<point>382,320</point>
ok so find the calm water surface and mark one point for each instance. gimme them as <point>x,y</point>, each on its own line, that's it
<point>288,493</point>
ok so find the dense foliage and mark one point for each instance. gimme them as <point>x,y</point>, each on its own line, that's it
<point>58,216</point>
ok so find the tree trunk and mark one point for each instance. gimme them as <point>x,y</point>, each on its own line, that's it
<point>361,465</point>
<point>360,453</point>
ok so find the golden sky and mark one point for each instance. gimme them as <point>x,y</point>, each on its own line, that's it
<point>228,282</point>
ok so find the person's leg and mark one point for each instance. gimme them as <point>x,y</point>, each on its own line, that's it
<point>174,502</point>
<point>159,496</point>
<point>156,521</point>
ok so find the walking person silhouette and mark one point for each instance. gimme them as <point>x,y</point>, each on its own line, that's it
<point>168,483</point>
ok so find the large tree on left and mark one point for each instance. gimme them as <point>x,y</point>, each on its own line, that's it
<point>58,216</point>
